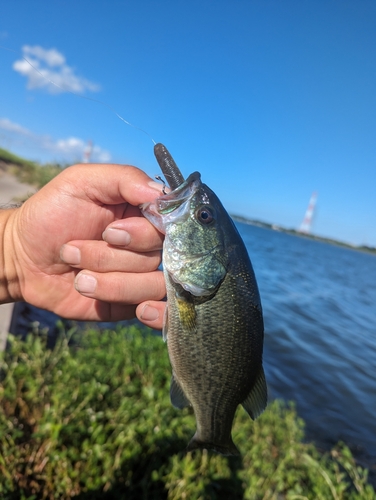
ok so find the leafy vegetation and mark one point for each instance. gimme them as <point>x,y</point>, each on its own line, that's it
<point>92,419</point>
<point>37,175</point>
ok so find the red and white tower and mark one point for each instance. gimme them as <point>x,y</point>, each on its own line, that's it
<point>87,152</point>
<point>305,226</point>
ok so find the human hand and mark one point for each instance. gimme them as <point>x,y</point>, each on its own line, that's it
<point>56,258</point>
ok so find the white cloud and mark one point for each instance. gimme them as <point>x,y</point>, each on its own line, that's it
<point>77,148</point>
<point>6,124</point>
<point>51,57</point>
<point>69,146</point>
<point>71,149</point>
<point>101,155</point>
<point>48,69</point>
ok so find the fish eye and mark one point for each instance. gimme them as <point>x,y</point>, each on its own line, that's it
<point>205,215</point>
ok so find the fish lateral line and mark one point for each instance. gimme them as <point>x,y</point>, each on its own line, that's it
<point>79,95</point>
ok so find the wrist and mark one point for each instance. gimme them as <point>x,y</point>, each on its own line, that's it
<point>9,282</point>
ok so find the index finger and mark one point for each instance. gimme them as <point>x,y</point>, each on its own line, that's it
<point>111,184</point>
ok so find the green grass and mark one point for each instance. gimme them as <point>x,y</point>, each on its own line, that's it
<point>27,171</point>
<point>94,421</point>
<point>8,157</point>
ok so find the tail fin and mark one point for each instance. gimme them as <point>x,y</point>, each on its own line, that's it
<point>228,448</point>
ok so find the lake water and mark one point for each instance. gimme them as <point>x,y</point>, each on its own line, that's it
<point>319,305</point>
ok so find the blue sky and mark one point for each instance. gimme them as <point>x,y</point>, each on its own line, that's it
<point>269,100</point>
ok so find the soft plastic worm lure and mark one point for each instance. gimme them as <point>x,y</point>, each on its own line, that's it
<point>168,166</point>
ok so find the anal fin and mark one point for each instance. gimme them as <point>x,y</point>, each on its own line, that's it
<point>256,401</point>
<point>177,396</point>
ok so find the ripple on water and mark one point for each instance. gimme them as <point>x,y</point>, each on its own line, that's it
<point>319,305</point>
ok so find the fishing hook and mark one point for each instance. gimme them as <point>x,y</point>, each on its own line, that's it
<point>159,178</point>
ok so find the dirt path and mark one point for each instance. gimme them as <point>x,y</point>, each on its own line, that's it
<point>12,190</point>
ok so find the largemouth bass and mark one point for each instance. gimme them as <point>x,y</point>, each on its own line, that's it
<point>213,325</point>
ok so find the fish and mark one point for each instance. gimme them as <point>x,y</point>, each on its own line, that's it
<point>213,323</point>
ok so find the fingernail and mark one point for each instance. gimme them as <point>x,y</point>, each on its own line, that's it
<point>117,237</point>
<point>70,254</point>
<point>149,313</point>
<point>85,283</point>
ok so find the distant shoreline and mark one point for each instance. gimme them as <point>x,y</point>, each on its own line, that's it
<point>294,232</point>
<point>36,175</point>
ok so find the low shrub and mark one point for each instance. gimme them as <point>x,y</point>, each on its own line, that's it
<point>35,174</point>
<point>93,420</point>
<point>29,172</point>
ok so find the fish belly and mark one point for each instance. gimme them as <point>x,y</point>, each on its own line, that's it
<point>215,360</point>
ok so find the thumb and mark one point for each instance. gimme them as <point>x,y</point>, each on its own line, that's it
<point>152,313</point>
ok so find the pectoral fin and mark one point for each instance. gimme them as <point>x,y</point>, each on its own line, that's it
<point>256,401</point>
<point>187,314</point>
<point>177,396</point>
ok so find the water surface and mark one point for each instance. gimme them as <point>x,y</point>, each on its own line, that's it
<point>319,303</point>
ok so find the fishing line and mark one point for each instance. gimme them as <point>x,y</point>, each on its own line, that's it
<point>79,95</point>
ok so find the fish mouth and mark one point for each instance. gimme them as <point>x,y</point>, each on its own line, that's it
<point>174,199</point>
<point>173,206</point>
